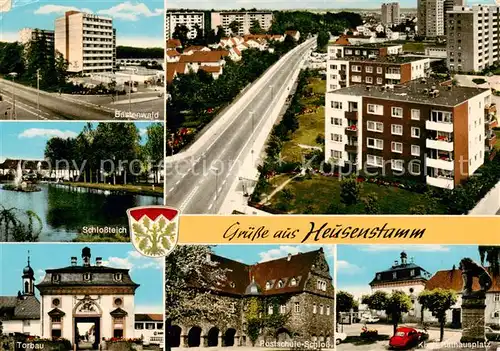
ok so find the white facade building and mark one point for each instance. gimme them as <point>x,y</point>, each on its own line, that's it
<point>431,18</point>
<point>87,42</point>
<point>244,19</point>
<point>28,34</point>
<point>191,20</point>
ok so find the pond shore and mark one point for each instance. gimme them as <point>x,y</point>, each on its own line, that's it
<point>146,190</point>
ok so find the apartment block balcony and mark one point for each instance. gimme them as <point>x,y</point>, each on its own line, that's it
<point>352,129</point>
<point>439,143</point>
<point>342,75</point>
<point>441,182</point>
<point>442,162</point>
<point>396,76</point>
<point>490,108</point>
<point>351,147</point>
<point>491,121</point>
<point>351,115</point>
<point>491,139</point>
<point>439,126</point>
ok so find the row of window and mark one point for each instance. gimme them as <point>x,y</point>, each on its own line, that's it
<point>148,326</point>
<point>321,309</point>
<point>396,164</point>
<point>394,275</point>
<point>87,277</point>
<point>396,147</point>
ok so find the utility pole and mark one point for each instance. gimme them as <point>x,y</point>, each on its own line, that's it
<point>38,89</point>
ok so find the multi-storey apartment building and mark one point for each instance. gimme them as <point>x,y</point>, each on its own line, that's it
<point>390,13</point>
<point>472,38</point>
<point>87,42</point>
<point>420,129</point>
<point>430,17</point>
<point>28,34</point>
<point>244,19</point>
<point>192,20</point>
<point>448,6</point>
<point>380,70</point>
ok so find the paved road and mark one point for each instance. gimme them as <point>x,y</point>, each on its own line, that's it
<point>200,183</point>
<point>55,106</point>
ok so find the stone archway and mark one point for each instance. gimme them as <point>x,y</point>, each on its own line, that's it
<point>174,336</point>
<point>194,337</point>
<point>213,337</point>
<point>283,334</point>
<point>229,337</point>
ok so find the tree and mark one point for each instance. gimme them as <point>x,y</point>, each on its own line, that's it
<point>491,254</point>
<point>181,33</point>
<point>154,146</point>
<point>255,28</point>
<point>189,276</point>
<point>397,304</point>
<point>322,40</point>
<point>61,68</point>
<point>345,302</point>
<point>350,190</point>
<point>11,58</point>
<point>438,301</point>
<point>371,204</point>
<point>234,26</point>
<point>377,301</point>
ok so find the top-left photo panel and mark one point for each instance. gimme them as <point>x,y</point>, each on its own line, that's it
<point>82,60</point>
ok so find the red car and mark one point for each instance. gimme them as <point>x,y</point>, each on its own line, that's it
<point>405,337</point>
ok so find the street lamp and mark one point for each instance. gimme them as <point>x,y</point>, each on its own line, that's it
<point>13,75</point>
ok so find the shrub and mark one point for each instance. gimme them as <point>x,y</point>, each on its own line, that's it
<point>479,81</point>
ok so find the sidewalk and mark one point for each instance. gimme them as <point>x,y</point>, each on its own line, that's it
<point>126,101</point>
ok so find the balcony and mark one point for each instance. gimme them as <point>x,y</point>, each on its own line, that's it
<point>491,140</point>
<point>440,143</point>
<point>342,75</point>
<point>491,121</point>
<point>351,147</point>
<point>351,115</point>
<point>490,108</point>
<point>445,163</point>
<point>441,182</point>
<point>439,126</point>
<point>352,129</point>
<point>395,76</point>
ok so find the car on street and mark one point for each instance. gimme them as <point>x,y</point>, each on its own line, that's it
<point>339,337</point>
<point>369,319</point>
<point>406,337</point>
<point>491,334</point>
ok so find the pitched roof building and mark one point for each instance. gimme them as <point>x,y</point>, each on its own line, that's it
<point>298,286</point>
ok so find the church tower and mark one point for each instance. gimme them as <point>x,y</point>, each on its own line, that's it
<point>28,280</point>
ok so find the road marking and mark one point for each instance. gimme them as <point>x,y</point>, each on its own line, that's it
<point>177,183</point>
<point>188,199</point>
<point>171,189</point>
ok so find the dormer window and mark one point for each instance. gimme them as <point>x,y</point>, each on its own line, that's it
<point>412,273</point>
<point>232,284</point>
<point>394,275</point>
<point>87,276</point>
<point>379,276</point>
<point>270,309</point>
<point>56,278</point>
<point>293,282</point>
<point>280,284</point>
<point>117,277</point>
<point>268,285</point>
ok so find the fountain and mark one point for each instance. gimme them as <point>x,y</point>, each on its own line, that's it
<point>19,184</point>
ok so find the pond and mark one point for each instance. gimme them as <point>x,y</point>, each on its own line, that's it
<point>65,210</point>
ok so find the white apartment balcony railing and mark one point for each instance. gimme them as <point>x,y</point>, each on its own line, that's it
<point>440,182</point>
<point>439,126</point>
<point>439,144</point>
<point>393,76</point>
<point>442,163</point>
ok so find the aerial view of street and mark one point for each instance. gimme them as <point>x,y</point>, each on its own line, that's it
<point>325,111</point>
<point>103,61</point>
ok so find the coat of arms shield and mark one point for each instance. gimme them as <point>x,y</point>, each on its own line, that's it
<point>154,229</point>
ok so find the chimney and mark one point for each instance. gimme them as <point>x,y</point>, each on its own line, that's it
<point>98,261</point>
<point>289,257</point>
<point>86,256</point>
<point>73,261</point>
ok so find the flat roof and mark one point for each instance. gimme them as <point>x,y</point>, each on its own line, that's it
<point>382,44</point>
<point>390,59</point>
<point>414,91</point>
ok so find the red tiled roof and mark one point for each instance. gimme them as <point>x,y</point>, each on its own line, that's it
<point>172,53</point>
<point>237,51</point>
<point>342,40</point>
<point>174,43</point>
<point>204,56</point>
<point>291,32</point>
<point>211,69</point>
<point>194,48</point>
<point>173,69</point>
<point>148,317</point>
<point>452,279</point>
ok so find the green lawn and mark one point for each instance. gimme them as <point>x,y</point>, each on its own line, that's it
<point>310,124</point>
<point>414,47</point>
<point>317,194</point>
<point>497,144</point>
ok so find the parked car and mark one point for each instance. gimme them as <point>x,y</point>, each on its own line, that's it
<point>369,319</point>
<point>339,337</point>
<point>406,337</point>
<point>491,334</point>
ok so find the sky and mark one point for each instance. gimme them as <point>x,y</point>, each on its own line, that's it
<point>358,264</point>
<point>138,23</point>
<point>27,140</point>
<point>147,272</point>
<point>251,254</point>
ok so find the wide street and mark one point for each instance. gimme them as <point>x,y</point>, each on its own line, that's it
<point>451,339</point>
<point>199,183</point>
<point>29,105</point>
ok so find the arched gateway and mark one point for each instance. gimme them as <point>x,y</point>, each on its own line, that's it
<point>86,303</point>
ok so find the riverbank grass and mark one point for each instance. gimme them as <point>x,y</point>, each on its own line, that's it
<point>142,189</point>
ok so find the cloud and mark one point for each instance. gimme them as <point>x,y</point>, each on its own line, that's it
<point>128,11</point>
<point>346,268</point>
<point>134,261</point>
<point>58,9</point>
<point>419,248</point>
<point>278,253</point>
<point>47,133</point>
<point>9,37</point>
<point>39,275</point>
<point>143,131</point>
